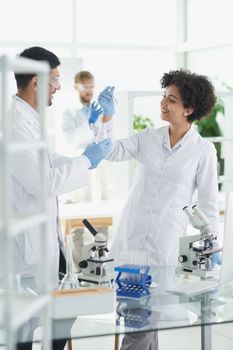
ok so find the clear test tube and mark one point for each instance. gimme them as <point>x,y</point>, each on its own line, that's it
<point>133,262</point>
<point>140,266</point>
<point>128,262</point>
<point>101,133</point>
<point>129,275</point>
<point>143,256</point>
<point>136,263</point>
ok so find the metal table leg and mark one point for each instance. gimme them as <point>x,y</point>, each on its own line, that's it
<point>206,337</point>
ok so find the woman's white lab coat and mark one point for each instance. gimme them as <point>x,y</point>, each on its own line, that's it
<point>63,174</point>
<point>153,219</point>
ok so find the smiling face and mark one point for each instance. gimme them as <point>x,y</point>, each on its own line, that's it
<point>172,108</point>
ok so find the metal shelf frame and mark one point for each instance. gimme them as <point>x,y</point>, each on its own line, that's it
<point>9,227</point>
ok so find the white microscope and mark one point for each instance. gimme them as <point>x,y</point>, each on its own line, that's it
<point>195,251</point>
<point>94,266</point>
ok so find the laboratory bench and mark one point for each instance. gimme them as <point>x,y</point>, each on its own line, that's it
<point>160,311</point>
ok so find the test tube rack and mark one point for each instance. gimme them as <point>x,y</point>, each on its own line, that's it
<point>135,281</point>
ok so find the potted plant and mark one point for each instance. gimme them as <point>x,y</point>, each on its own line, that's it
<point>140,122</point>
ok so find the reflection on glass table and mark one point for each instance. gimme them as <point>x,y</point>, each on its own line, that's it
<point>162,310</point>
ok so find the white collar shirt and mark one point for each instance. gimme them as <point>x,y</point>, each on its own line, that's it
<point>167,149</point>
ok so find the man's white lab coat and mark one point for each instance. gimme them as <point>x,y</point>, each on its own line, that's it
<point>63,174</point>
<point>165,181</point>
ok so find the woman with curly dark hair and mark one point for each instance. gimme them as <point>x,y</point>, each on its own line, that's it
<point>173,162</point>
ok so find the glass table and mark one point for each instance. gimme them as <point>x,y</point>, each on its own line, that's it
<point>161,311</point>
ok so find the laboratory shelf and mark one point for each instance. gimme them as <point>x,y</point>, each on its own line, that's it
<point>23,65</point>
<point>14,309</point>
<point>24,307</point>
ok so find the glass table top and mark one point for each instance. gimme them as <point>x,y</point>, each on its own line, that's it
<point>162,310</point>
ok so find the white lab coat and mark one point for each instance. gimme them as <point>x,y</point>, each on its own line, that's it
<point>63,174</point>
<point>76,128</point>
<point>153,219</point>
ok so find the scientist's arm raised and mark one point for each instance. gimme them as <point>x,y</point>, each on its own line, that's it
<point>207,185</point>
<point>123,149</point>
<point>66,174</point>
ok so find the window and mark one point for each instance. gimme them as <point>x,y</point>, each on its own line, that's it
<point>33,21</point>
<point>128,70</point>
<point>215,63</point>
<point>209,21</point>
<point>127,22</point>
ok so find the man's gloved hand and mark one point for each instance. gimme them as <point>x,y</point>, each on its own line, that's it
<point>106,100</point>
<point>94,113</point>
<point>96,152</point>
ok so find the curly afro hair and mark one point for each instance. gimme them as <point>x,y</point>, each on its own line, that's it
<point>196,91</point>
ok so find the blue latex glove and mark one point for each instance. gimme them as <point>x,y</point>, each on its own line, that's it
<point>96,152</point>
<point>106,100</point>
<point>216,258</point>
<point>94,113</point>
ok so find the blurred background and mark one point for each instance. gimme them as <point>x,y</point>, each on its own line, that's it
<point>128,44</point>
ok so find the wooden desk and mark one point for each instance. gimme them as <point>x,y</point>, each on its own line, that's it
<point>77,223</point>
<point>99,214</point>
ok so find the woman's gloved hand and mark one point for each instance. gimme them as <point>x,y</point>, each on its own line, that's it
<point>96,152</point>
<point>216,258</point>
<point>94,113</point>
<point>106,100</point>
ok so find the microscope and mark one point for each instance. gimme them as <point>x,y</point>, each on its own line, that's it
<point>94,267</point>
<point>195,251</point>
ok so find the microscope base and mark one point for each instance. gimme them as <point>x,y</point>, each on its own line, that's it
<point>94,279</point>
<point>195,272</point>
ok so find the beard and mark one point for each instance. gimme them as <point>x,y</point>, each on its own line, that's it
<point>86,99</point>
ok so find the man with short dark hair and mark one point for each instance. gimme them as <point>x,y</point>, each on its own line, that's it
<point>63,174</point>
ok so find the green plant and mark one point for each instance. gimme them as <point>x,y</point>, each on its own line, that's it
<point>140,122</point>
<point>209,127</point>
